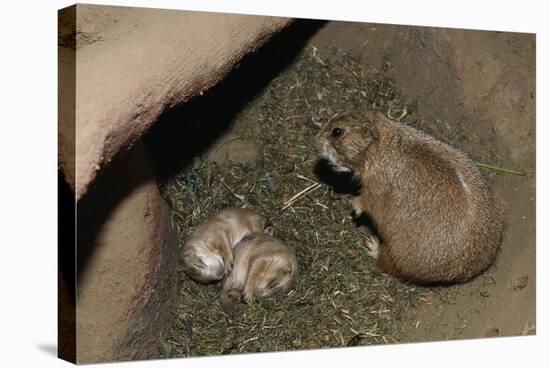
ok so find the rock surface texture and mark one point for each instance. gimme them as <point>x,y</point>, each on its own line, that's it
<point>134,63</point>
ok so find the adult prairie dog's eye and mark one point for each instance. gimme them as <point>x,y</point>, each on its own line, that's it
<point>336,132</point>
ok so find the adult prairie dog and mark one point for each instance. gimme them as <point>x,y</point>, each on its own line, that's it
<point>208,252</point>
<point>435,217</point>
<point>263,266</point>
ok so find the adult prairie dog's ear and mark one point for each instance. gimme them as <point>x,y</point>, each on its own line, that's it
<point>366,135</point>
<point>361,137</point>
<point>369,129</point>
<point>344,116</point>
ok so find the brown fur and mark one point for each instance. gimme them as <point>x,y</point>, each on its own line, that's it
<point>208,252</point>
<point>263,266</point>
<point>435,216</point>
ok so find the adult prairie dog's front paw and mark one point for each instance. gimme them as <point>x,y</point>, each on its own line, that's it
<point>373,244</point>
<point>357,206</point>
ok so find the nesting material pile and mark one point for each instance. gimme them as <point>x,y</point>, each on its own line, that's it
<point>340,298</point>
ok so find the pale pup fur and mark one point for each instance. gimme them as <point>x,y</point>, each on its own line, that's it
<point>208,252</point>
<point>263,267</point>
<point>434,214</point>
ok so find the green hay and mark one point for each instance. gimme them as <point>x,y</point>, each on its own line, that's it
<point>500,169</point>
<point>340,298</point>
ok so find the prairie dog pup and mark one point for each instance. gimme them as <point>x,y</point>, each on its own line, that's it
<point>208,252</point>
<point>435,216</point>
<point>263,266</point>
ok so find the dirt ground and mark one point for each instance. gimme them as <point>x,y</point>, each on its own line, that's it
<point>493,106</point>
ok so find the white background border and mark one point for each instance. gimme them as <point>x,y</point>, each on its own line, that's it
<point>28,153</point>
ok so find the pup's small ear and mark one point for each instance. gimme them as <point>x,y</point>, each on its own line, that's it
<point>269,230</point>
<point>188,257</point>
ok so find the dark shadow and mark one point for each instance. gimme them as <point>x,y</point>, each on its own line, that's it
<point>66,207</point>
<point>50,349</point>
<point>66,203</point>
<point>115,182</point>
<point>365,219</point>
<point>66,271</point>
<point>341,182</point>
<point>183,132</point>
